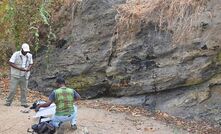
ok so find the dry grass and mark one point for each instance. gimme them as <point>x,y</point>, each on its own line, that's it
<point>173,15</point>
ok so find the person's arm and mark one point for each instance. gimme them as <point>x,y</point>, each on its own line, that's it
<point>76,96</point>
<point>30,63</point>
<point>48,103</point>
<point>29,67</point>
<point>51,99</point>
<point>16,67</point>
<point>12,62</point>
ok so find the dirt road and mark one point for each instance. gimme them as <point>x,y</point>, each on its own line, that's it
<point>90,120</point>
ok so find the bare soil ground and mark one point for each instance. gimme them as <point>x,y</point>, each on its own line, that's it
<point>90,120</point>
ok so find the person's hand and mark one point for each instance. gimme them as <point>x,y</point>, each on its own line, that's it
<point>37,108</point>
<point>28,69</point>
<point>23,69</point>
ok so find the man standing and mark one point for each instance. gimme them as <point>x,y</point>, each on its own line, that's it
<point>21,63</point>
<point>63,98</point>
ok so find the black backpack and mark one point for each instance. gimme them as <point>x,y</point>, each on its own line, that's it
<point>43,128</point>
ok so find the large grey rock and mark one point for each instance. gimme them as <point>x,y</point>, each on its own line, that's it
<point>97,61</point>
<point>144,69</point>
<point>82,55</point>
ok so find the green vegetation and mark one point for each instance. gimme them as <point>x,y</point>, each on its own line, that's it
<point>18,19</point>
<point>21,21</point>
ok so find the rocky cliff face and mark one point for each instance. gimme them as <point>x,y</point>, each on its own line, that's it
<point>98,61</point>
<point>82,54</point>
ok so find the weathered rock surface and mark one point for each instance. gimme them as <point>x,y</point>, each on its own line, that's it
<point>149,62</point>
<point>99,62</point>
<point>83,53</point>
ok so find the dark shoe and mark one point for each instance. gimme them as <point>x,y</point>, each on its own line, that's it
<point>74,127</point>
<point>25,106</point>
<point>7,104</point>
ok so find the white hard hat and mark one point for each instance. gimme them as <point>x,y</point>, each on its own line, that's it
<point>25,47</point>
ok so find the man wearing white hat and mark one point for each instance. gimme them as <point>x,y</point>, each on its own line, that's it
<point>21,64</point>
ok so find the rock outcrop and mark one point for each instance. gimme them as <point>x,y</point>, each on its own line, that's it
<point>90,53</point>
<point>98,61</point>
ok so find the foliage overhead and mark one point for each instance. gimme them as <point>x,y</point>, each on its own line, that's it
<point>21,20</point>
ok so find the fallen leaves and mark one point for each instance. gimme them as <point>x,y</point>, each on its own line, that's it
<point>4,90</point>
<point>190,126</point>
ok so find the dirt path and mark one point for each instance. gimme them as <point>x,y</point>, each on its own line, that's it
<point>90,120</point>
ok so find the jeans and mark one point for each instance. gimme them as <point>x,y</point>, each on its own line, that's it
<point>57,120</point>
<point>14,82</point>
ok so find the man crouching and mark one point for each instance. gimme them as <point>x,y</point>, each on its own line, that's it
<point>63,98</point>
